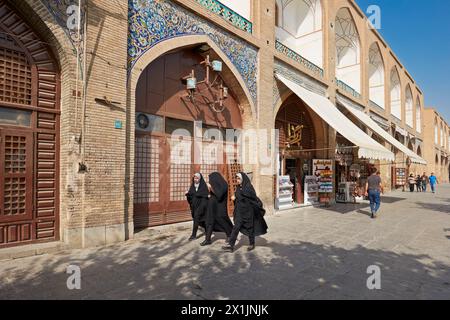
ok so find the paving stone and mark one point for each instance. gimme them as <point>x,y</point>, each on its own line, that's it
<point>308,254</point>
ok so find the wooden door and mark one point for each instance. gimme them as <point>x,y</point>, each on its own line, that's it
<point>178,172</point>
<point>16,175</point>
<point>149,177</point>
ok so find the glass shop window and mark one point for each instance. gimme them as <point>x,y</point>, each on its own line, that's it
<point>15,117</point>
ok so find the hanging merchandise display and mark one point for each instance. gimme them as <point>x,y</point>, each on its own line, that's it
<point>323,170</point>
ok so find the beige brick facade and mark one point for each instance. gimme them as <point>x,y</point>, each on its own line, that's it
<point>96,207</point>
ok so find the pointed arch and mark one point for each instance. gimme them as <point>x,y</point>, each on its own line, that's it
<point>436,132</point>
<point>409,107</point>
<point>396,94</point>
<point>418,115</point>
<point>419,151</point>
<point>348,50</point>
<point>300,27</point>
<point>376,75</point>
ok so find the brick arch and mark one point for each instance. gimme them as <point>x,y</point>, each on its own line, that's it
<point>34,75</point>
<point>240,88</point>
<point>319,125</point>
<point>230,75</point>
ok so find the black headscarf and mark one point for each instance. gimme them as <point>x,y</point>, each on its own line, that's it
<point>202,188</point>
<point>219,185</point>
<point>249,210</point>
<point>246,187</point>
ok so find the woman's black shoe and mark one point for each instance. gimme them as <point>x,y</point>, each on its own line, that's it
<point>205,243</point>
<point>192,238</point>
<point>250,248</point>
<point>228,248</point>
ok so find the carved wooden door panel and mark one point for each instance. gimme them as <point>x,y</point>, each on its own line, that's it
<point>16,175</point>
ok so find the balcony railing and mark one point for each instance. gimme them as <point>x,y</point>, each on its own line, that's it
<point>295,56</point>
<point>227,14</point>
<point>345,87</point>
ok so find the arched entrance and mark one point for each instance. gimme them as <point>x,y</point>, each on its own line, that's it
<point>297,141</point>
<point>29,134</point>
<point>169,144</point>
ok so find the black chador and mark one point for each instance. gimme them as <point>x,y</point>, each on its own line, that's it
<point>216,215</point>
<point>248,213</point>
<point>197,196</point>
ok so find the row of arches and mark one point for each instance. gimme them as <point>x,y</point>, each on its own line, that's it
<point>441,134</point>
<point>299,25</point>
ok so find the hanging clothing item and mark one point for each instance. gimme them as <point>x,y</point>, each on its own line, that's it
<point>197,197</point>
<point>217,218</point>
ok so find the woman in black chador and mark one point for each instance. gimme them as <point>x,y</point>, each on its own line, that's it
<point>197,196</point>
<point>248,213</point>
<point>216,215</point>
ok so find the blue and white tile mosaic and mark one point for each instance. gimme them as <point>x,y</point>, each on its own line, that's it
<point>154,21</point>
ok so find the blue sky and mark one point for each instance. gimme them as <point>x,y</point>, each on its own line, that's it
<point>419,34</point>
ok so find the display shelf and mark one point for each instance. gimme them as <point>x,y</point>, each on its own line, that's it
<point>285,192</point>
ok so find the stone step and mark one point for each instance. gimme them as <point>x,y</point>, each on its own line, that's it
<point>31,250</point>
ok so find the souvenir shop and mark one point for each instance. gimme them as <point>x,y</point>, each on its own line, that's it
<point>303,178</point>
<point>351,172</point>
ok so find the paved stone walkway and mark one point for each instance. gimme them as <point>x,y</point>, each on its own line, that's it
<point>307,254</point>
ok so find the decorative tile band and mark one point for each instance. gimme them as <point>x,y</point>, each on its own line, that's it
<point>227,14</point>
<point>345,87</point>
<point>296,76</point>
<point>152,22</point>
<point>295,56</point>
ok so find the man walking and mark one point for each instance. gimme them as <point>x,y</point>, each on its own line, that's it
<point>373,191</point>
<point>433,182</point>
<point>425,182</point>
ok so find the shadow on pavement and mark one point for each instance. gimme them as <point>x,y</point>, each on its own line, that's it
<point>439,207</point>
<point>167,269</point>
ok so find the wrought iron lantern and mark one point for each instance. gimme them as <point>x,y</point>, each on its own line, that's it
<point>213,93</point>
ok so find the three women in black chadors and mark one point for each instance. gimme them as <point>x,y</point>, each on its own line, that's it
<point>197,196</point>
<point>248,213</point>
<point>217,218</point>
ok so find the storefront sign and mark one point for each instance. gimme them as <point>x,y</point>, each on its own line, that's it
<point>294,135</point>
<point>323,170</point>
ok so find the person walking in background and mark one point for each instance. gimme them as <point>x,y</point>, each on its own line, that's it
<point>425,182</point>
<point>419,183</point>
<point>373,191</point>
<point>433,182</point>
<point>382,188</point>
<point>411,182</point>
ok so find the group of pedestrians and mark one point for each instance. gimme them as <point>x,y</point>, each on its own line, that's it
<point>208,203</point>
<point>374,188</point>
<point>420,182</point>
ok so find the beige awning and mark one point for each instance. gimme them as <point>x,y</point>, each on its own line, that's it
<point>366,120</point>
<point>368,148</point>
